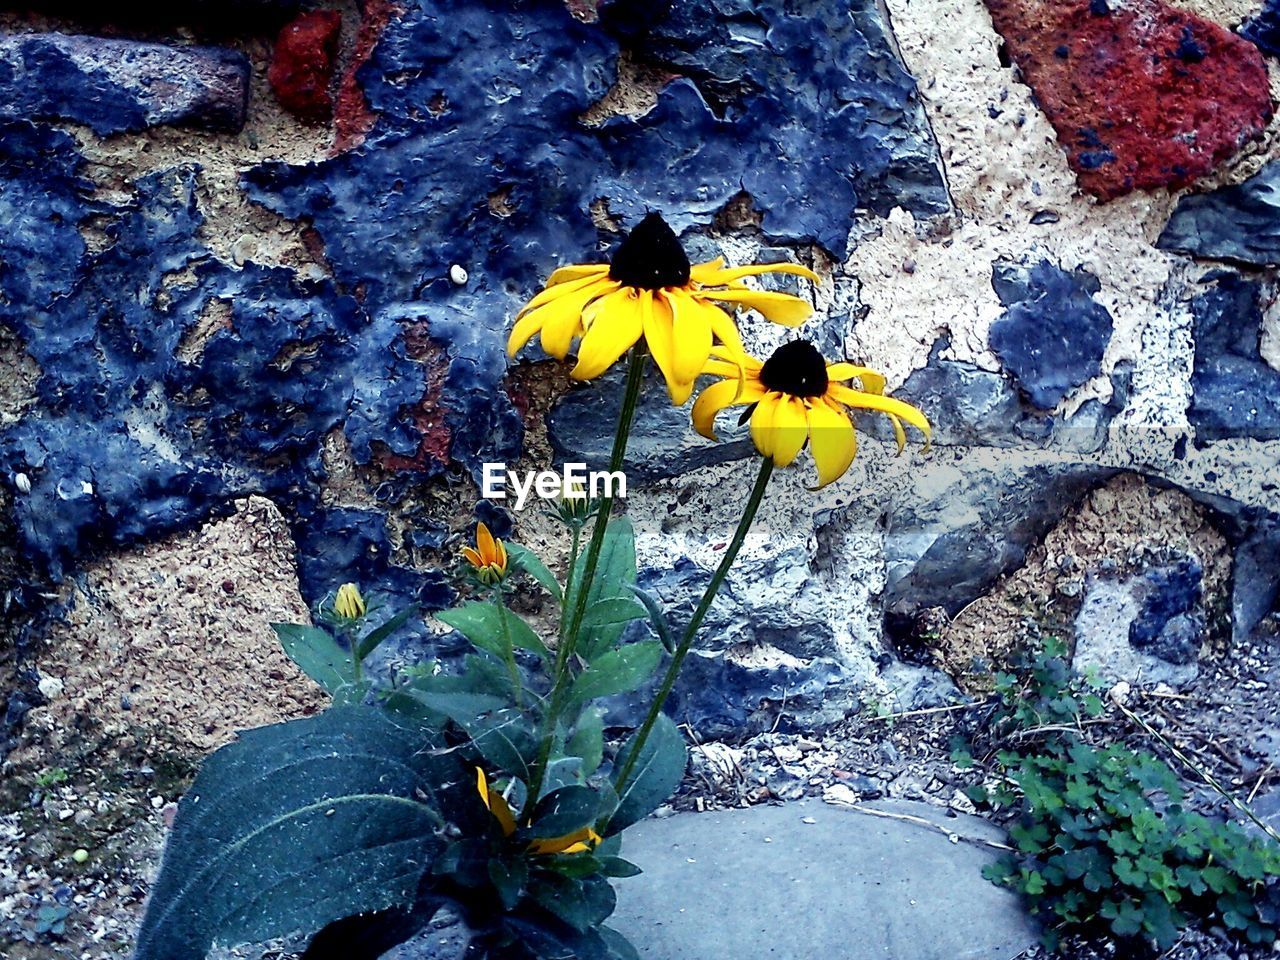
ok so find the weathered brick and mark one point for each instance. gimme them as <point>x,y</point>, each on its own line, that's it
<point>1143,95</point>
<point>114,86</point>
<point>303,63</point>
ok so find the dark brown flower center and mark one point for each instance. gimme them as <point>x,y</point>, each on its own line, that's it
<point>650,257</point>
<point>796,368</point>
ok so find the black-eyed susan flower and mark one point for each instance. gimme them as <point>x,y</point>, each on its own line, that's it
<point>578,841</point>
<point>488,557</point>
<point>797,397</point>
<point>649,289</point>
<point>348,603</point>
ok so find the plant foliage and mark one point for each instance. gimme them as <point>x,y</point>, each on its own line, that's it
<point>1104,837</point>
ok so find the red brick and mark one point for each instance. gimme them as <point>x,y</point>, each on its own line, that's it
<point>1142,95</point>
<point>303,63</point>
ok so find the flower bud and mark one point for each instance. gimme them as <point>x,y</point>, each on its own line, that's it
<point>348,603</point>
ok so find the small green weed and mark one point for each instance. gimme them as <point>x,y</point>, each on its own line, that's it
<point>1104,838</point>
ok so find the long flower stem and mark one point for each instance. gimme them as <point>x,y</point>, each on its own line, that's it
<point>569,638</point>
<point>568,580</point>
<point>691,631</point>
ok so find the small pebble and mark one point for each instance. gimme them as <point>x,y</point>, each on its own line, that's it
<point>458,274</point>
<point>22,482</point>
<point>808,820</point>
<point>80,856</point>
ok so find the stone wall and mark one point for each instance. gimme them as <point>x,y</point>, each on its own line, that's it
<point>228,273</point>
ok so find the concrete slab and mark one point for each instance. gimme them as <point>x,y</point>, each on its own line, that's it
<point>812,880</point>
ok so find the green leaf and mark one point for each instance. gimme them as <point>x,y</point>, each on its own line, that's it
<point>503,736</point>
<point>587,741</point>
<point>656,618</point>
<point>617,610</point>
<point>565,810</point>
<point>509,878</point>
<point>379,633</point>
<point>581,903</point>
<point>317,654</point>
<point>620,869</point>
<point>657,772</point>
<point>615,575</point>
<point>617,671</point>
<point>528,561</point>
<point>294,826</point>
<point>493,629</point>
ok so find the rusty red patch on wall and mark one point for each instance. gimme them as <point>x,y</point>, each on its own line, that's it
<point>352,118</point>
<point>303,63</point>
<point>1142,95</point>
<point>428,415</point>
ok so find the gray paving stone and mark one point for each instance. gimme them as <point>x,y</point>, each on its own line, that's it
<point>764,884</point>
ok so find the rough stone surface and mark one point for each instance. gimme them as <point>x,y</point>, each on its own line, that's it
<point>839,883</point>
<point>1235,392</point>
<point>121,662</point>
<point>1256,584</point>
<point>1240,222</point>
<point>117,85</point>
<point>1264,29</point>
<point>303,63</point>
<point>1054,335</point>
<point>1103,637</point>
<point>1143,94</point>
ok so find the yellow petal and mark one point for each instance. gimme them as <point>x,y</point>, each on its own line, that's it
<point>576,271</point>
<point>755,269</point>
<point>790,430</point>
<point>473,558</point>
<point>501,556</point>
<point>713,399</point>
<point>898,433</point>
<point>872,381</point>
<point>614,327</point>
<point>691,331</point>
<point>831,441</point>
<point>550,293</point>
<point>726,332</point>
<point>762,423</point>
<point>703,272</point>
<point>569,843</point>
<point>659,334</point>
<point>780,308</point>
<point>484,540</point>
<point>872,401</point>
<point>564,319</point>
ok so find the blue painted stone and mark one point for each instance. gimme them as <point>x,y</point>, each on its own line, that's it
<point>1264,28</point>
<point>1053,334</point>
<point>1168,595</point>
<point>969,406</point>
<point>113,86</point>
<point>1234,392</point>
<point>1239,222</point>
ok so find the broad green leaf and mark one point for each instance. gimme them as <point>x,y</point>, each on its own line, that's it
<point>294,826</point>
<point>509,878</point>
<point>587,741</point>
<point>317,654</point>
<point>493,629</point>
<point>619,869</point>
<point>656,618</point>
<point>608,612</point>
<point>581,903</point>
<point>379,633</point>
<point>655,776</point>
<point>479,674</point>
<point>615,574</point>
<point>528,561</point>
<point>503,736</point>
<point>564,811</point>
<point>617,671</point>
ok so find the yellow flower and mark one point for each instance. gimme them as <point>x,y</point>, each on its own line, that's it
<point>348,602</point>
<point>796,396</point>
<point>650,290</point>
<point>488,557</point>
<point>577,842</point>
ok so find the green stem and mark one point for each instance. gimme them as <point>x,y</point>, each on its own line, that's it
<point>691,631</point>
<point>568,580</point>
<point>512,669</point>
<point>569,635</point>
